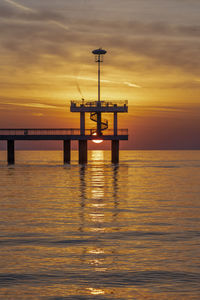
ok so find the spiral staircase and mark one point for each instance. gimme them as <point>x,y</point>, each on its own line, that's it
<point>104,123</point>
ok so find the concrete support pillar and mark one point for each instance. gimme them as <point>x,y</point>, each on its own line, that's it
<point>11,152</point>
<point>82,123</point>
<point>98,123</point>
<point>115,123</point>
<point>82,151</point>
<point>66,151</point>
<point>115,151</point>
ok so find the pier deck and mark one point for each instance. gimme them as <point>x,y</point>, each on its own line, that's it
<point>66,135</point>
<point>59,134</point>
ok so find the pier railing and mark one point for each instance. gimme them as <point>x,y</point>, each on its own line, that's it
<point>56,131</point>
<point>102,103</point>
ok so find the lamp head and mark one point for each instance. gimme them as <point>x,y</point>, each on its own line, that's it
<point>99,54</point>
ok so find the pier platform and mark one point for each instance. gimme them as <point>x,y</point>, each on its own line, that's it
<point>102,106</point>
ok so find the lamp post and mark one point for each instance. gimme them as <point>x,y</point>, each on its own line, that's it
<point>99,59</point>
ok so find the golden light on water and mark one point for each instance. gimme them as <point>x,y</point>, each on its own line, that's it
<point>97,155</point>
<point>96,291</point>
<point>96,251</point>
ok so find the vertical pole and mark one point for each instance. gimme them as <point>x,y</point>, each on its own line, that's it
<point>115,123</point>
<point>82,123</point>
<point>99,62</point>
<point>82,151</point>
<point>98,123</point>
<point>11,151</point>
<point>66,151</point>
<point>99,97</point>
<point>115,151</point>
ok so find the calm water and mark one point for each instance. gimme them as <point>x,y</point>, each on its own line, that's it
<point>101,231</point>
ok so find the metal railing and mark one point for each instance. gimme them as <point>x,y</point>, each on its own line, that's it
<point>40,131</point>
<point>56,131</point>
<point>103,103</point>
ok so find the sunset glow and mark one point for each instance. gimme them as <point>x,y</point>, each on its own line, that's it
<point>152,61</point>
<point>100,149</point>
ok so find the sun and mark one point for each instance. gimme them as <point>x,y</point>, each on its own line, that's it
<point>97,141</point>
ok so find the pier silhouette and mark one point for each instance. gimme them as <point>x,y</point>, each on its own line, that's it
<point>82,135</point>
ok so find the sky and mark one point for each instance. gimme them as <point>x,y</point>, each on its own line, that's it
<point>152,60</point>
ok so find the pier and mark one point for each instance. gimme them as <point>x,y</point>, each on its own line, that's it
<point>99,133</point>
<point>63,134</point>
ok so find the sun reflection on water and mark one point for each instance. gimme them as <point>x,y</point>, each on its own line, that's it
<point>97,214</point>
<point>96,251</point>
<point>97,155</point>
<point>96,291</point>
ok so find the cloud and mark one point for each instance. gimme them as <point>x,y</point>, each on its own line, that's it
<point>19,6</point>
<point>30,35</point>
<point>132,84</point>
<point>29,14</point>
<point>103,80</point>
<point>33,105</point>
<point>37,114</point>
<point>191,110</point>
<point>50,39</point>
<point>28,102</point>
<point>142,28</point>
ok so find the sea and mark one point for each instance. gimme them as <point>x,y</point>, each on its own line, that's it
<point>100,231</point>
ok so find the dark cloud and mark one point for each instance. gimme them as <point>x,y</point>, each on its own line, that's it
<point>8,11</point>
<point>29,36</point>
<point>143,28</point>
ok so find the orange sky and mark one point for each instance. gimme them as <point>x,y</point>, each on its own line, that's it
<point>153,61</point>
